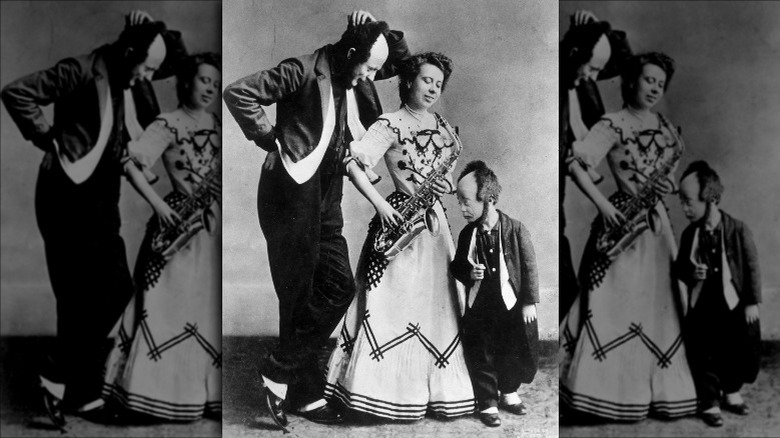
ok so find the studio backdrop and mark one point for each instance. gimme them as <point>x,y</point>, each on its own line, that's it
<point>501,95</point>
<point>35,36</point>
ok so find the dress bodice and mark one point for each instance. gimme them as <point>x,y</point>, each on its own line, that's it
<point>634,150</point>
<point>411,152</point>
<point>188,150</point>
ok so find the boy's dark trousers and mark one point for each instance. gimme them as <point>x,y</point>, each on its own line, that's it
<point>496,345</point>
<point>715,341</point>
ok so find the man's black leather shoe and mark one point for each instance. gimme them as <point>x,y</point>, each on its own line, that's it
<point>490,420</point>
<point>53,406</point>
<point>273,405</point>
<point>322,415</point>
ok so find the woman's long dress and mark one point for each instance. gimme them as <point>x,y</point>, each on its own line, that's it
<point>623,356</point>
<point>399,353</point>
<point>168,356</point>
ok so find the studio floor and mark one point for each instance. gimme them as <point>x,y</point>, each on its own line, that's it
<point>243,415</point>
<point>763,398</point>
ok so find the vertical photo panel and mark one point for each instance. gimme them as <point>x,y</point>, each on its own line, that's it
<point>111,218</point>
<point>669,297</point>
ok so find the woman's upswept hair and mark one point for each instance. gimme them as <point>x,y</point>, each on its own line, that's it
<point>411,68</point>
<point>710,187</point>
<point>487,181</point>
<point>633,67</point>
<point>188,68</point>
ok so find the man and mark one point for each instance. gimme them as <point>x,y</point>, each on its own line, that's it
<point>323,101</point>
<point>101,101</point>
<point>495,259</point>
<point>590,51</point>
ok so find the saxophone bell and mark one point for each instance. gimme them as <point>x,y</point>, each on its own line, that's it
<point>432,222</point>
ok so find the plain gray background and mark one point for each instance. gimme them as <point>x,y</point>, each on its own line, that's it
<point>726,97</point>
<point>35,36</point>
<point>502,96</point>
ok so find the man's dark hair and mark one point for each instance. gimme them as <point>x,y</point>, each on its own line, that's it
<point>710,187</point>
<point>633,68</point>
<point>188,68</point>
<point>361,38</point>
<point>411,68</point>
<point>487,181</point>
<point>138,39</point>
<point>577,47</point>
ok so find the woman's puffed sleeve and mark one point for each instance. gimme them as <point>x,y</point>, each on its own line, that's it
<point>368,151</point>
<point>145,151</point>
<point>589,151</point>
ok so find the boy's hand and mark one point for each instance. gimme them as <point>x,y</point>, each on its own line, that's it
<point>529,313</point>
<point>700,271</point>
<point>751,313</point>
<point>477,271</point>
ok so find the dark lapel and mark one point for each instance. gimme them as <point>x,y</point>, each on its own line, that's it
<point>322,70</point>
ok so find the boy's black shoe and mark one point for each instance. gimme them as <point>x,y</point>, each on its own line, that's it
<point>490,420</point>
<point>740,409</point>
<point>712,419</point>
<point>517,408</point>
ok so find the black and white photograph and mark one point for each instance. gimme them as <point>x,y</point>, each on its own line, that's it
<point>668,131</point>
<point>390,255</point>
<point>111,219</point>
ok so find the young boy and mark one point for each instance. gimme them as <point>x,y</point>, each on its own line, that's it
<point>496,262</point>
<point>718,262</point>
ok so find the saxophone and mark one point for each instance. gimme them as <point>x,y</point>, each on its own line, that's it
<point>417,211</point>
<point>639,210</point>
<point>194,214</point>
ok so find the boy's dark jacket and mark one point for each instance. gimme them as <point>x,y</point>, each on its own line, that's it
<point>518,254</point>
<point>741,255</point>
<point>742,259</point>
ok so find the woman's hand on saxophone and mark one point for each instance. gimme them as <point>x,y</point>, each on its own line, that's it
<point>442,187</point>
<point>611,216</point>
<point>165,214</point>
<point>390,216</point>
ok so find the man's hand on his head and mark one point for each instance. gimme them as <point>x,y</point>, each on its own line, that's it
<point>357,18</point>
<point>583,17</point>
<point>137,17</point>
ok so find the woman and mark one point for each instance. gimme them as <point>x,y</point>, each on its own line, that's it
<point>167,361</point>
<point>623,352</point>
<point>399,353</point>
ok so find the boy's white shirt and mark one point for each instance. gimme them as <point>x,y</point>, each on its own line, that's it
<point>507,293</point>
<point>729,291</point>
